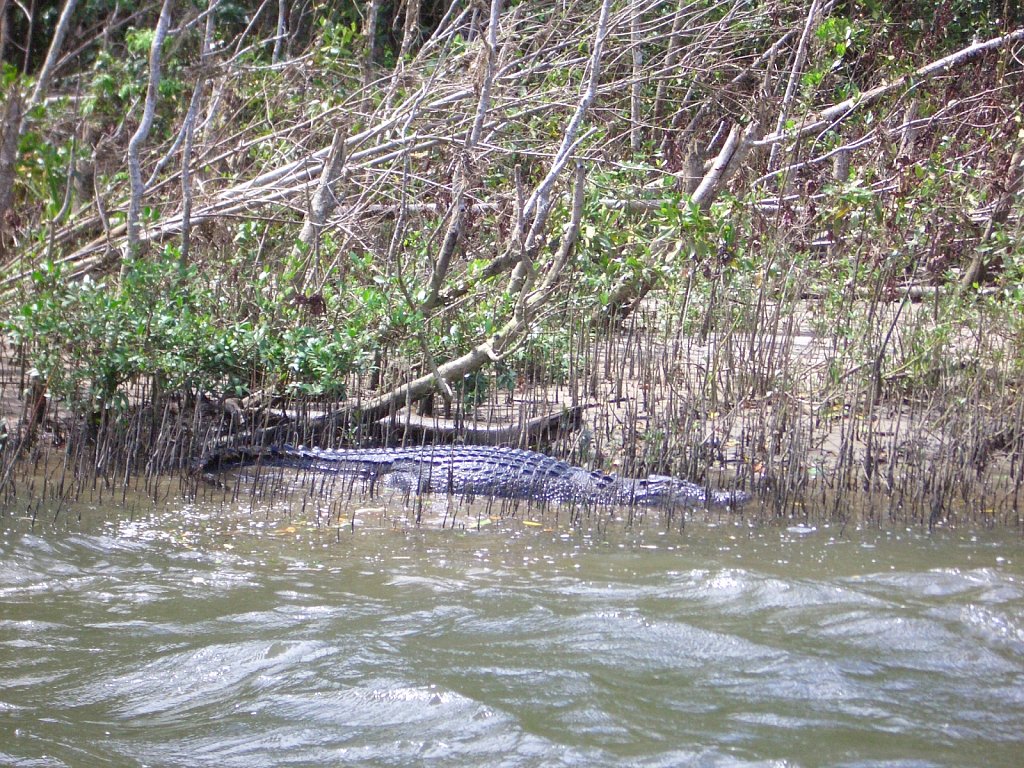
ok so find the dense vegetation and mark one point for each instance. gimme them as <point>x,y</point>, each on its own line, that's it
<point>364,204</point>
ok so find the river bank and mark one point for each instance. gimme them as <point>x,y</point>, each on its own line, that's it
<point>641,401</point>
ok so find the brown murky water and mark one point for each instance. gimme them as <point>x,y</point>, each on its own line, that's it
<point>248,633</point>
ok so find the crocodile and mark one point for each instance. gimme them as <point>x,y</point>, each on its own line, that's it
<point>484,471</point>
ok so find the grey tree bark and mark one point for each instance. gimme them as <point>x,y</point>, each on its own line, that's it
<point>142,132</point>
<point>189,130</point>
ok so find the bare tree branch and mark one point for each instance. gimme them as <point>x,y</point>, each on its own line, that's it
<point>189,133</point>
<point>837,112</point>
<point>799,59</point>
<point>325,200</point>
<point>142,132</point>
<point>282,30</point>
<point>729,158</point>
<point>636,86</point>
<point>52,55</point>
<point>410,29</point>
<point>369,44</point>
<point>453,233</point>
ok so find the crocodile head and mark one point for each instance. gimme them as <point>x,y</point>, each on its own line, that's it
<point>732,499</point>
<point>664,491</point>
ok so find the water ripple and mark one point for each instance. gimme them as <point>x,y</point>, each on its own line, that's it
<point>166,641</point>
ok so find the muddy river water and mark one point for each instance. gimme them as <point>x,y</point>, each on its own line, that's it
<point>244,634</point>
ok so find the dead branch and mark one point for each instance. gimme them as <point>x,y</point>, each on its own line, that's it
<point>142,132</point>
<point>282,31</point>
<point>830,116</point>
<point>325,200</point>
<point>189,133</point>
<point>636,86</point>
<point>527,432</point>
<point>454,232</point>
<point>729,159</point>
<point>50,65</point>
<point>369,45</point>
<point>672,54</point>
<point>799,59</point>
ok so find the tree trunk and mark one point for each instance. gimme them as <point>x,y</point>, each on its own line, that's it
<point>142,132</point>
<point>10,135</point>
